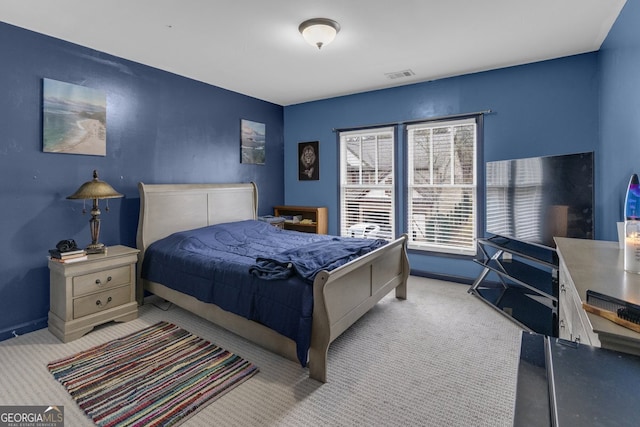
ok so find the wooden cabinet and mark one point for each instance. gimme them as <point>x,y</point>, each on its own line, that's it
<point>598,266</point>
<point>310,219</point>
<point>573,324</point>
<point>88,293</point>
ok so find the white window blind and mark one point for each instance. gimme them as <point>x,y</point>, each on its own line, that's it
<point>367,194</point>
<point>442,182</point>
<point>519,213</point>
<point>498,177</point>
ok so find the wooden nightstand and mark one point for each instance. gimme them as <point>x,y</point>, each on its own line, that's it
<point>88,293</point>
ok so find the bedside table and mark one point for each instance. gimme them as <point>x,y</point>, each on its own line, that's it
<point>89,293</point>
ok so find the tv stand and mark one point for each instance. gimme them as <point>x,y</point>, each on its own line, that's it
<point>527,286</point>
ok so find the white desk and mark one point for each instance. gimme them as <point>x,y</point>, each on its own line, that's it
<point>598,266</point>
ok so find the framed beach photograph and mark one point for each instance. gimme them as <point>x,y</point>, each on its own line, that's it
<point>308,161</point>
<point>252,142</point>
<point>74,119</point>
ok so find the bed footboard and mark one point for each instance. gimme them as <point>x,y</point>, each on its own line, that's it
<point>343,295</point>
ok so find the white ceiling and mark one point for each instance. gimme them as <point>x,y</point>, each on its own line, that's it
<point>253,46</point>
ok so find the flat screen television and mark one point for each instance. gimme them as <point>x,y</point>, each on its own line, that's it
<point>535,199</point>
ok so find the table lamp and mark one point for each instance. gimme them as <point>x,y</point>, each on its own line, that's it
<point>95,189</point>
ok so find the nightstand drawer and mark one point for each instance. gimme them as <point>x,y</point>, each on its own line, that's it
<point>101,301</point>
<point>97,281</point>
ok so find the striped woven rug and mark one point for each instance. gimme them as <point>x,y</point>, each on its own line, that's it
<point>158,376</point>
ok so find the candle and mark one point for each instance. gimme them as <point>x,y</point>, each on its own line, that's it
<point>632,247</point>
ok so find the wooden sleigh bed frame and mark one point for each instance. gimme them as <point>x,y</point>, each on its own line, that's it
<point>341,296</point>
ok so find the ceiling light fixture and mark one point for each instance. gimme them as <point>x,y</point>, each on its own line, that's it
<point>319,31</point>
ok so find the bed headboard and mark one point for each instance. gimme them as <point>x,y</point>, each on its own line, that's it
<point>169,208</point>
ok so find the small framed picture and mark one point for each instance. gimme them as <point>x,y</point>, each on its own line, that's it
<point>308,161</point>
<point>252,142</point>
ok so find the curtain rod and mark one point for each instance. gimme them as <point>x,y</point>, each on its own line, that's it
<point>408,122</point>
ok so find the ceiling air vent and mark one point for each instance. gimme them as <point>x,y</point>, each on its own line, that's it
<point>400,74</point>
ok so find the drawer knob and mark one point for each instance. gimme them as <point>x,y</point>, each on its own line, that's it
<point>100,302</point>
<point>99,282</point>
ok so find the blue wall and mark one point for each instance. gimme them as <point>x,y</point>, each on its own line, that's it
<point>161,128</point>
<point>166,128</point>
<point>538,109</point>
<point>619,145</point>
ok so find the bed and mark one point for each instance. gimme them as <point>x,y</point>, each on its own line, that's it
<point>339,296</point>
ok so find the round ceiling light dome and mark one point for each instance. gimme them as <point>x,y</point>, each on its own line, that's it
<point>319,31</point>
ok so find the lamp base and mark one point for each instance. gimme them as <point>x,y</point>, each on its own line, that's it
<point>96,248</point>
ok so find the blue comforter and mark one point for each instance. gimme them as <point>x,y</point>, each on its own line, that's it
<point>308,260</point>
<point>227,264</point>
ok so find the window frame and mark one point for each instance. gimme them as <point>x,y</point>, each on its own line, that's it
<point>477,205</point>
<point>389,230</point>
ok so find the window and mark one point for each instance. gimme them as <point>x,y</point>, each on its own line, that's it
<point>367,193</point>
<point>441,183</point>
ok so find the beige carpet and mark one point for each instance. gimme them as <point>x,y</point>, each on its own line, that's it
<point>440,358</point>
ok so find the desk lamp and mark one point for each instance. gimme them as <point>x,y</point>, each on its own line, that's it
<point>95,189</point>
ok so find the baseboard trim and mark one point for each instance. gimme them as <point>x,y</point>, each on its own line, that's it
<point>42,323</point>
<point>23,328</point>
<point>441,276</point>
